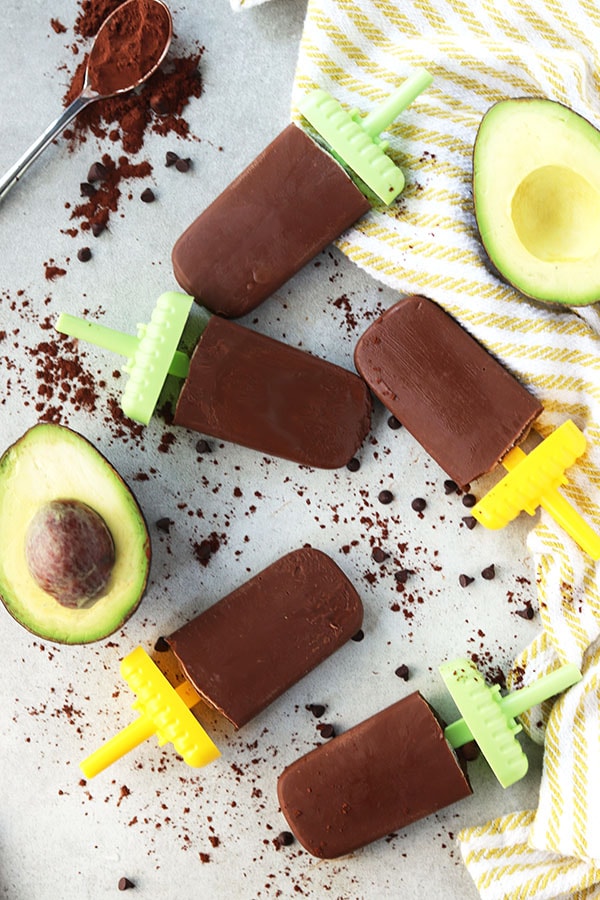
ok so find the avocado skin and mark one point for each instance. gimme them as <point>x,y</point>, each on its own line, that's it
<point>490,257</point>
<point>93,624</point>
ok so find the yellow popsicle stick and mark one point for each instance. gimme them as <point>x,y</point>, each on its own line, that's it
<point>164,711</point>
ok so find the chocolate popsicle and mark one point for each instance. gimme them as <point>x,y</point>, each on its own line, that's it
<point>461,405</point>
<point>255,643</point>
<point>252,390</point>
<point>385,773</point>
<point>239,385</point>
<point>292,201</point>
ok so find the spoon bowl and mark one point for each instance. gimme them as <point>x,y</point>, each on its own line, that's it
<point>107,73</point>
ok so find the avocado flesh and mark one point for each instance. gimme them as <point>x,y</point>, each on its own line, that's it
<point>52,462</point>
<point>536,188</point>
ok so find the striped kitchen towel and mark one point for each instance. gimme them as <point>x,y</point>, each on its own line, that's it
<point>427,243</point>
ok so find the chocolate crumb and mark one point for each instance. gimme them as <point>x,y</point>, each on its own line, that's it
<point>84,254</point>
<point>326,731</point>
<point>465,580</point>
<point>470,522</point>
<point>385,497</point>
<point>489,572</point>
<point>203,446</point>
<point>469,500</point>
<point>394,423</point>
<point>379,555</point>
<point>418,504</point>
<point>353,465</point>
<point>358,636</point>
<point>317,709</point>
<point>161,646</point>
<point>147,196</point>
<point>125,884</point>
<point>402,672</point>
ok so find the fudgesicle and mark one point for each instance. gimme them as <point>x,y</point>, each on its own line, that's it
<point>460,404</point>
<point>255,391</point>
<point>380,776</point>
<point>255,643</point>
<point>308,185</point>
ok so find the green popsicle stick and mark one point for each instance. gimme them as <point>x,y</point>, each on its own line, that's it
<point>355,141</point>
<point>151,356</point>
<point>488,718</point>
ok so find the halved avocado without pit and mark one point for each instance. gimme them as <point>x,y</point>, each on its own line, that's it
<point>536,189</point>
<point>52,478</point>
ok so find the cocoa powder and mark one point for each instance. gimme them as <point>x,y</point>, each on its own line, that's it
<point>158,107</point>
<point>129,46</point>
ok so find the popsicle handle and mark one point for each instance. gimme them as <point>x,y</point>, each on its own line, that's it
<point>383,116</point>
<point>561,511</point>
<point>569,519</point>
<point>515,703</point>
<point>116,747</point>
<point>115,341</point>
<point>130,737</point>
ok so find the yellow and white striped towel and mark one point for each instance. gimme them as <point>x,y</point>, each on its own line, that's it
<point>481,52</point>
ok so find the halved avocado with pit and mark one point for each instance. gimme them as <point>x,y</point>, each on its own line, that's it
<point>536,189</point>
<point>52,463</point>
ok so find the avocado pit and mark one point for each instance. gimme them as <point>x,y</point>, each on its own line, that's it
<point>70,552</point>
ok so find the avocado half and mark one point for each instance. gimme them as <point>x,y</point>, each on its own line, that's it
<point>51,462</point>
<point>536,189</point>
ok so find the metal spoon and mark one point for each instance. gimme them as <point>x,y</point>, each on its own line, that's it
<point>87,96</point>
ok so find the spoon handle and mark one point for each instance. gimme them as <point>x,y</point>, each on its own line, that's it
<point>53,130</point>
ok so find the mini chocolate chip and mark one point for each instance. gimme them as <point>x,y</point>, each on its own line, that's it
<point>86,189</point>
<point>489,572</point>
<point>419,504</point>
<point>326,731</point>
<point>147,196</point>
<point>465,580</point>
<point>526,613</point>
<point>402,575</point>
<point>450,487</point>
<point>402,672</point>
<point>469,500</point>
<point>164,524</point>
<point>98,172</point>
<point>379,555</point>
<point>84,254</point>
<point>317,709</point>
<point>385,497</point>
<point>470,522</point>
<point>358,636</point>
<point>353,465</point>
<point>98,228</point>
<point>183,165</point>
<point>469,751</point>
<point>125,884</point>
<point>284,839</point>
<point>170,158</point>
<point>159,104</point>
<point>394,423</point>
<point>203,446</point>
<point>161,645</point>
